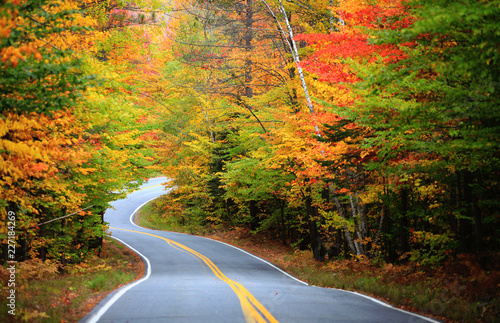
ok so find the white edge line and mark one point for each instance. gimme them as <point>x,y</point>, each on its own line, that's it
<point>384,304</point>
<point>342,290</point>
<point>261,259</point>
<point>248,253</point>
<point>95,318</point>
<point>124,289</point>
<point>287,274</point>
<point>131,219</point>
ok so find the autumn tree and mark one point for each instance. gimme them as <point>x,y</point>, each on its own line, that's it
<point>39,84</point>
<point>410,89</point>
<point>61,153</point>
<point>360,131</point>
<point>242,74</point>
<point>441,102</point>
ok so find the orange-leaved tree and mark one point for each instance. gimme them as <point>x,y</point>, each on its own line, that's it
<point>61,152</point>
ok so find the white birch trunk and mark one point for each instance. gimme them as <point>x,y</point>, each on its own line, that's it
<point>354,248</point>
<point>208,124</point>
<point>289,37</point>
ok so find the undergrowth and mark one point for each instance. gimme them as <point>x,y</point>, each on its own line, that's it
<point>51,292</point>
<point>460,290</point>
<point>149,217</point>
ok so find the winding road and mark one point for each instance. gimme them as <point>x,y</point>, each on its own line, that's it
<point>193,279</point>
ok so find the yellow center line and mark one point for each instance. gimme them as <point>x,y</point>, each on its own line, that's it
<point>148,187</point>
<point>253,310</point>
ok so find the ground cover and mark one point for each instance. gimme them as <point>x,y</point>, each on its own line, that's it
<point>51,292</point>
<point>463,289</point>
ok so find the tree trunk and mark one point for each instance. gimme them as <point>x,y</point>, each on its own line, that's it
<point>205,115</point>
<point>289,36</point>
<point>248,48</point>
<point>282,222</point>
<point>473,212</point>
<point>254,220</point>
<point>347,234</point>
<point>316,244</point>
<point>466,224</point>
<point>360,225</point>
<point>403,223</point>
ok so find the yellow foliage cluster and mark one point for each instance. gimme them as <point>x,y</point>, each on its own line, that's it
<point>30,46</point>
<point>8,21</point>
<point>36,149</point>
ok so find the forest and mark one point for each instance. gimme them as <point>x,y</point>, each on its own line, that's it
<point>358,129</point>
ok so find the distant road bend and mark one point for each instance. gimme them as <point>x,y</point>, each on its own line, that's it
<point>193,279</point>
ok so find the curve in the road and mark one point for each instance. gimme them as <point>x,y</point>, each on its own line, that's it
<point>253,310</point>
<point>185,285</point>
<point>95,318</point>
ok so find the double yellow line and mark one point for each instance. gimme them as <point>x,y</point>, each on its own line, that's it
<point>253,310</point>
<point>140,189</point>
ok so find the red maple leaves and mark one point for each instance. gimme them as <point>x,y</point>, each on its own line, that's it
<point>336,52</point>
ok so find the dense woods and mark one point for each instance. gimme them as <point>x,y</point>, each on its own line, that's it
<point>69,134</point>
<point>355,129</point>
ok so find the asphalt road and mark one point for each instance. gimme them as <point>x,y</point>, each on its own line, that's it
<point>193,279</point>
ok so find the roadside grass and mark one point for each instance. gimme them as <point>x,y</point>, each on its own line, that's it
<point>458,291</point>
<point>51,292</point>
<point>403,286</point>
<point>149,217</point>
